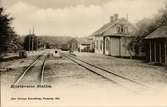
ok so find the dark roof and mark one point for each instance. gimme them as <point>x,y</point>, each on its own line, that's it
<point>161,32</point>
<point>105,27</point>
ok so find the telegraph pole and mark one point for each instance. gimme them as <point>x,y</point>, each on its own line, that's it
<point>29,40</point>
<point>127,16</point>
<point>33,39</point>
<point>32,42</point>
<point>37,44</point>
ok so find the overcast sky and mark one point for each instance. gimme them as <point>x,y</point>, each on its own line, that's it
<point>74,17</point>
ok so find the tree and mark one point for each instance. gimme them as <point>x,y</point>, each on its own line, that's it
<point>7,34</point>
<point>31,42</point>
<point>146,27</point>
<point>73,45</point>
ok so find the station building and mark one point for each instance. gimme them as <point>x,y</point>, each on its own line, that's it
<point>113,37</point>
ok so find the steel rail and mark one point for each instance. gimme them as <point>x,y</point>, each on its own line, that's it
<point>110,72</point>
<point>26,70</point>
<point>43,70</point>
<point>92,70</point>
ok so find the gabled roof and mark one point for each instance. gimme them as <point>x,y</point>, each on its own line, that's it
<point>161,32</point>
<point>106,29</point>
<point>101,30</point>
<point>131,29</point>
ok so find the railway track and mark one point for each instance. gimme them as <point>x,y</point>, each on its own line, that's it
<point>30,68</point>
<point>106,74</point>
<point>43,70</point>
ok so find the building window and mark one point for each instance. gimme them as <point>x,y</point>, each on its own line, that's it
<point>107,44</point>
<point>101,45</point>
<point>126,29</point>
<point>97,44</point>
<point>120,29</point>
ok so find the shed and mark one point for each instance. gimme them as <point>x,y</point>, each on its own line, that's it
<point>156,46</point>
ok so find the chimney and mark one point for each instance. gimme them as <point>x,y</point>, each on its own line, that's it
<point>116,16</point>
<point>111,19</point>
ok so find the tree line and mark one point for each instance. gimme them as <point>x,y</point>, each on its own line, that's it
<point>8,38</point>
<point>145,27</point>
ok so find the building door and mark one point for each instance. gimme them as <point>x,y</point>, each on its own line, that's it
<point>107,46</point>
<point>115,46</point>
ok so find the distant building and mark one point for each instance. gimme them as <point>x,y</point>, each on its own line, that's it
<point>113,37</point>
<point>86,44</point>
<point>156,49</point>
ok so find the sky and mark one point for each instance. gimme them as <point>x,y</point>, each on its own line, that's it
<point>76,18</point>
